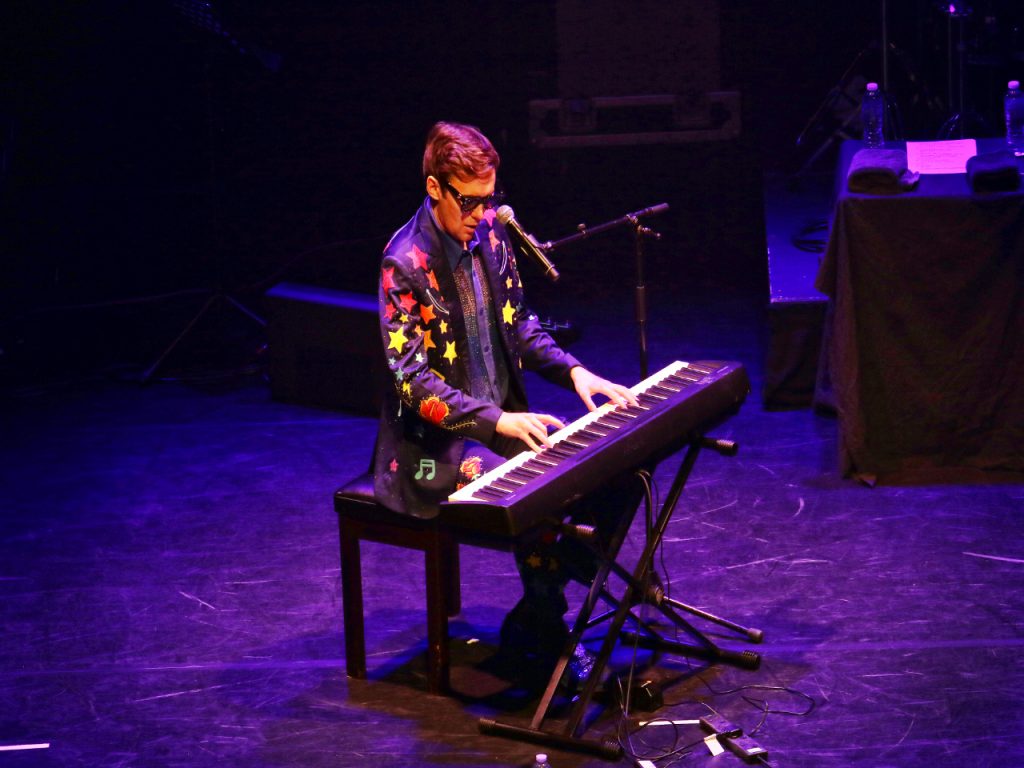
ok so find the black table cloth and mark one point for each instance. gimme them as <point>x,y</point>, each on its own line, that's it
<point>924,349</point>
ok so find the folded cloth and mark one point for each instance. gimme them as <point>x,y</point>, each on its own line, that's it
<point>880,172</point>
<point>993,172</point>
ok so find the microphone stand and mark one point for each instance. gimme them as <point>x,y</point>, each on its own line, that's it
<point>640,232</point>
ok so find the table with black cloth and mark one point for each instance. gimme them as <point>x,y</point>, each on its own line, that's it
<point>923,357</point>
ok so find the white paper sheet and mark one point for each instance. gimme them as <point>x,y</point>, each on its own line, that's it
<point>940,156</point>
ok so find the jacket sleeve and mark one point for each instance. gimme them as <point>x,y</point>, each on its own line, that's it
<point>541,354</point>
<point>421,362</point>
<point>537,350</point>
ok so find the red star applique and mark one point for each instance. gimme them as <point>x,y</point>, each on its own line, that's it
<point>419,258</point>
<point>386,274</point>
<point>426,312</point>
<point>407,301</point>
<point>389,311</point>
<point>393,466</point>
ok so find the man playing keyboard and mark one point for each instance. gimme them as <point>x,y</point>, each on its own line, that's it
<point>457,334</point>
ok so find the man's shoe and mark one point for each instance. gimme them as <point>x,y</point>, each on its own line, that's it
<point>529,631</point>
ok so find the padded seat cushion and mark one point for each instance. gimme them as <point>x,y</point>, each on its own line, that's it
<point>358,489</point>
<point>355,501</point>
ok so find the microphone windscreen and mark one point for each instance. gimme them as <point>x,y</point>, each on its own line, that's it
<point>505,214</point>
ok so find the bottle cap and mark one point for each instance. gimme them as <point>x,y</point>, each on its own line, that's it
<point>872,87</point>
<point>1013,85</point>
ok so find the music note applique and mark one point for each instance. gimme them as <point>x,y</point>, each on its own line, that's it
<point>428,465</point>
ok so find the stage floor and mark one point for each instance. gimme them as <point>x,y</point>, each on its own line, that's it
<point>170,595</point>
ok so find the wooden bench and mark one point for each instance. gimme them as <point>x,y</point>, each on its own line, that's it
<point>361,518</point>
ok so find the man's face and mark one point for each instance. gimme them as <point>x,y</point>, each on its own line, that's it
<point>460,225</point>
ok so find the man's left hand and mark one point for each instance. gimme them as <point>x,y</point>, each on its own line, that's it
<point>587,385</point>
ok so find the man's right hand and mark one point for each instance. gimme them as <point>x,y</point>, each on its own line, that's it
<point>531,428</point>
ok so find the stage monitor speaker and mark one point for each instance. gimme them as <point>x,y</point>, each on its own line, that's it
<point>325,348</point>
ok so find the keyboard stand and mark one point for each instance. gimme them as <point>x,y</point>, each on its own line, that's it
<point>570,735</point>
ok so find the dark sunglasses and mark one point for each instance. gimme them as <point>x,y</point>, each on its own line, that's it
<point>468,203</point>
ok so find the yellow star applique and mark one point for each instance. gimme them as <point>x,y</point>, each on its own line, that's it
<point>508,282</point>
<point>444,327</point>
<point>507,312</point>
<point>398,340</point>
<point>406,388</point>
<point>449,351</point>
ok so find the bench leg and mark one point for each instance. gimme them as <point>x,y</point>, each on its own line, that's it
<point>352,603</point>
<point>438,589</point>
<point>453,585</point>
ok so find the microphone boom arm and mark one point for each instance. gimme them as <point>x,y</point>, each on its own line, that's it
<point>583,231</point>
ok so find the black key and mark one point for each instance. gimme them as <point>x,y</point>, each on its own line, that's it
<point>506,485</point>
<point>524,474</point>
<point>572,443</point>
<point>487,493</point>
<point>541,465</point>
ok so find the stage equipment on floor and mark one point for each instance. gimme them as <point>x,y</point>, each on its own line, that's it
<point>640,234</point>
<point>215,297</point>
<point>963,116</point>
<point>796,220</point>
<point>837,118</point>
<point>324,348</point>
<point>204,16</point>
<point>678,405</point>
<point>627,75</point>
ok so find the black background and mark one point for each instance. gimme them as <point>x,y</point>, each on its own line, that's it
<point>146,154</point>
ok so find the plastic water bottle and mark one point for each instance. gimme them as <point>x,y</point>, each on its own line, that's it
<point>541,761</point>
<point>1013,105</point>
<point>872,116</point>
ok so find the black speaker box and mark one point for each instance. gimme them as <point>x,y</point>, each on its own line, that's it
<point>324,348</point>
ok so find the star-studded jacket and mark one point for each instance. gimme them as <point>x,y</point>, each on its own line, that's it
<point>427,411</point>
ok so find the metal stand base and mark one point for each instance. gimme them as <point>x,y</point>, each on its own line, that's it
<point>570,736</point>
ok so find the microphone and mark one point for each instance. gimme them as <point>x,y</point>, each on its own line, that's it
<point>528,244</point>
